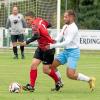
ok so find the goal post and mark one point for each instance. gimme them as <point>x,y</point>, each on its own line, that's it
<point>58,20</point>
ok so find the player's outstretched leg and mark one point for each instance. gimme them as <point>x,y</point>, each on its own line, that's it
<point>33,76</point>
<point>90,80</point>
<point>79,76</point>
<point>54,76</point>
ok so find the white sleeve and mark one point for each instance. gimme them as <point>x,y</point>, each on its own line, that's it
<point>69,37</point>
<point>60,35</point>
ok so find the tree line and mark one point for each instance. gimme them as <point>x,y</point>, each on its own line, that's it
<point>87,12</point>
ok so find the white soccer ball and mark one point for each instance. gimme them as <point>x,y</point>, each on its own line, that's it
<point>14,87</point>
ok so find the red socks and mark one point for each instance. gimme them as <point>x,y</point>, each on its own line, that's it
<point>33,76</point>
<point>53,75</point>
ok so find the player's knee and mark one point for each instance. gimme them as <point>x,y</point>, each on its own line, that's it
<point>70,75</point>
<point>55,64</point>
<point>45,70</point>
<point>14,44</point>
<point>34,67</point>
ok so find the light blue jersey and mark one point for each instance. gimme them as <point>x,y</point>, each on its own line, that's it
<point>69,57</point>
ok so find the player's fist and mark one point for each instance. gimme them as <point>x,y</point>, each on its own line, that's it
<point>24,43</point>
<point>47,46</point>
<point>54,41</point>
<point>21,43</point>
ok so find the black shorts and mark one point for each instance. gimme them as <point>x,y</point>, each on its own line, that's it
<point>46,57</point>
<point>19,38</point>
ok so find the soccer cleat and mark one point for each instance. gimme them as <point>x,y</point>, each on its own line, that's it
<point>58,85</point>
<point>92,83</point>
<point>28,87</point>
<point>62,83</point>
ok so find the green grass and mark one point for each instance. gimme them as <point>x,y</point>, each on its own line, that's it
<point>18,71</point>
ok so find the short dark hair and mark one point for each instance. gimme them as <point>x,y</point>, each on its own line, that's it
<point>30,13</point>
<point>14,6</point>
<point>71,12</point>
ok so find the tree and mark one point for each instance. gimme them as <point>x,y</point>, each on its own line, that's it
<point>87,11</point>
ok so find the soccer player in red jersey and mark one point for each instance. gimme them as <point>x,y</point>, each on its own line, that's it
<point>40,33</point>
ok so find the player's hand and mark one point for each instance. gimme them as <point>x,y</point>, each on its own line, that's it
<point>47,46</point>
<point>24,43</point>
<point>21,43</point>
<point>54,41</point>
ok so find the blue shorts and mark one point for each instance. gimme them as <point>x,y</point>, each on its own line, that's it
<point>69,56</point>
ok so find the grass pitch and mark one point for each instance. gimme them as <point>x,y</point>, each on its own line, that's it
<point>18,71</point>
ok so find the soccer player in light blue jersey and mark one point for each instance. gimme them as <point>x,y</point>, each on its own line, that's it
<point>71,52</point>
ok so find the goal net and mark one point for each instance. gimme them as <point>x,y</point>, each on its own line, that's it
<point>46,9</point>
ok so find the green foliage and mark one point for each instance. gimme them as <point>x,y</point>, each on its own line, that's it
<point>89,15</point>
<point>87,11</point>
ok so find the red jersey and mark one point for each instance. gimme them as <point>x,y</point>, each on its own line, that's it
<point>39,26</point>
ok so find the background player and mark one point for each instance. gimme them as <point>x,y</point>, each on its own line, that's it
<point>71,53</point>
<point>40,33</point>
<point>16,24</point>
